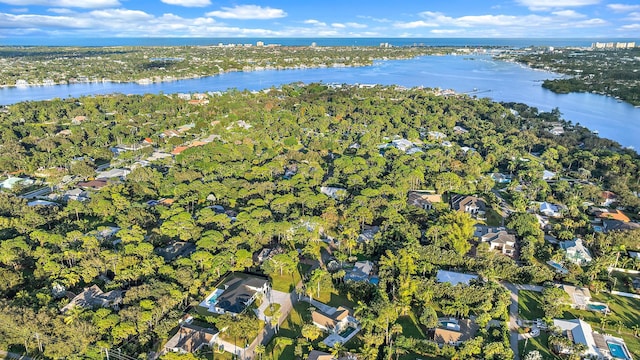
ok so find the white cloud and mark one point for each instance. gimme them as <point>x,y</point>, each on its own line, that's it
<point>20,10</point>
<point>338,25</point>
<point>85,4</point>
<point>630,27</point>
<point>568,14</point>
<point>356,25</point>
<point>544,5</point>
<point>188,3</point>
<point>315,22</point>
<point>61,11</point>
<point>623,7</point>
<point>415,24</point>
<point>121,15</point>
<point>248,12</point>
<point>634,16</point>
<point>499,25</point>
<point>380,20</point>
<point>446,31</point>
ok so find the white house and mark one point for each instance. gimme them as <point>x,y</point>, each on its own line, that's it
<point>550,210</point>
<point>501,241</point>
<point>576,252</point>
<point>454,278</point>
<point>581,333</point>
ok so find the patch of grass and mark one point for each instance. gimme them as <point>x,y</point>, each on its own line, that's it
<point>285,282</point>
<point>622,281</point>
<point>539,343</point>
<point>493,217</point>
<point>292,325</point>
<point>530,305</point>
<point>335,299</point>
<point>271,309</point>
<point>410,326</point>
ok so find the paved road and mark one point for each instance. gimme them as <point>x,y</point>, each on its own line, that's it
<point>513,312</point>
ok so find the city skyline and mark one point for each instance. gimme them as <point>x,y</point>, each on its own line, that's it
<point>314,19</point>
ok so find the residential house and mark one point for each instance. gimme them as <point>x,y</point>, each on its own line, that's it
<point>178,150</point>
<point>113,174</point>
<point>93,184</point>
<point>617,225</point>
<point>576,252</point>
<point>636,284</point>
<point>454,278</point>
<point>75,194</point>
<point>436,135</point>
<point>12,182</point>
<point>235,293</point>
<point>459,130</point>
<point>557,130</point>
<point>548,175</point>
<point>360,272</point>
<point>94,297</point>
<point>319,355</point>
<point>501,178</point>
<point>402,144</point>
<point>608,198</point>
<point>176,249</point>
<point>336,320</point>
<point>609,214</point>
<point>423,199</point>
<point>190,338</point>
<point>333,192</point>
<point>501,241</point>
<point>475,206</point>
<point>340,323</point>
<point>579,332</point>
<point>550,210</point>
<point>368,233</point>
<point>579,296</point>
<point>78,120</point>
<point>452,331</point>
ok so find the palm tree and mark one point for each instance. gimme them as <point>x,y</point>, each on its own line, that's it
<point>259,350</point>
<point>636,329</point>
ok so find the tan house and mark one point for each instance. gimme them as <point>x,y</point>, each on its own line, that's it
<point>472,205</point>
<point>423,199</point>
<point>454,332</point>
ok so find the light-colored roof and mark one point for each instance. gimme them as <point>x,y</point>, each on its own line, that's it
<point>454,278</point>
<point>581,333</point>
<point>445,336</point>
<point>319,355</point>
<point>579,295</point>
<point>13,181</point>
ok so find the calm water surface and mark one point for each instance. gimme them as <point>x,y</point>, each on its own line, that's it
<point>500,81</point>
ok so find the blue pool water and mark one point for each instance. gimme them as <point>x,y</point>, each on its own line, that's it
<point>617,351</point>
<point>374,280</point>
<point>596,307</point>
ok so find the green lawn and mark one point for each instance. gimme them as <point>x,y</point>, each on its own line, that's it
<point>622,282</point>
<point>493,217</point>
<point>410,326</point>
<point>539,343</point>
<point>290,328</point>
<point>529,305</point>
<point>272,309</point>
<point>624,310</point>
<point>286,282</point>
<point>334,299</point>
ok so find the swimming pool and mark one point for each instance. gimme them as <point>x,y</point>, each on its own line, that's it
<point>617,351</point>
<point>347,331</point>
<point>558,267</point>
<point>597,307</point>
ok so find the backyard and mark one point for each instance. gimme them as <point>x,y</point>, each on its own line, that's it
<point>529,305</point>
<point>540,344</point>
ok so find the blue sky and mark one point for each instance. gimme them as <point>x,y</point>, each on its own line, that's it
<point>326,18</point>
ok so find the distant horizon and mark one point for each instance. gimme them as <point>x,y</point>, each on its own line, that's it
<point>516,42</point>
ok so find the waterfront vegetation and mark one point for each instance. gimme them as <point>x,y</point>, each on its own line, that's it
<point>62,65</point>
<point>250,170</point>
<point>608,72</point>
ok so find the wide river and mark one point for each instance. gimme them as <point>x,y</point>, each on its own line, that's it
<point>498,80</point>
